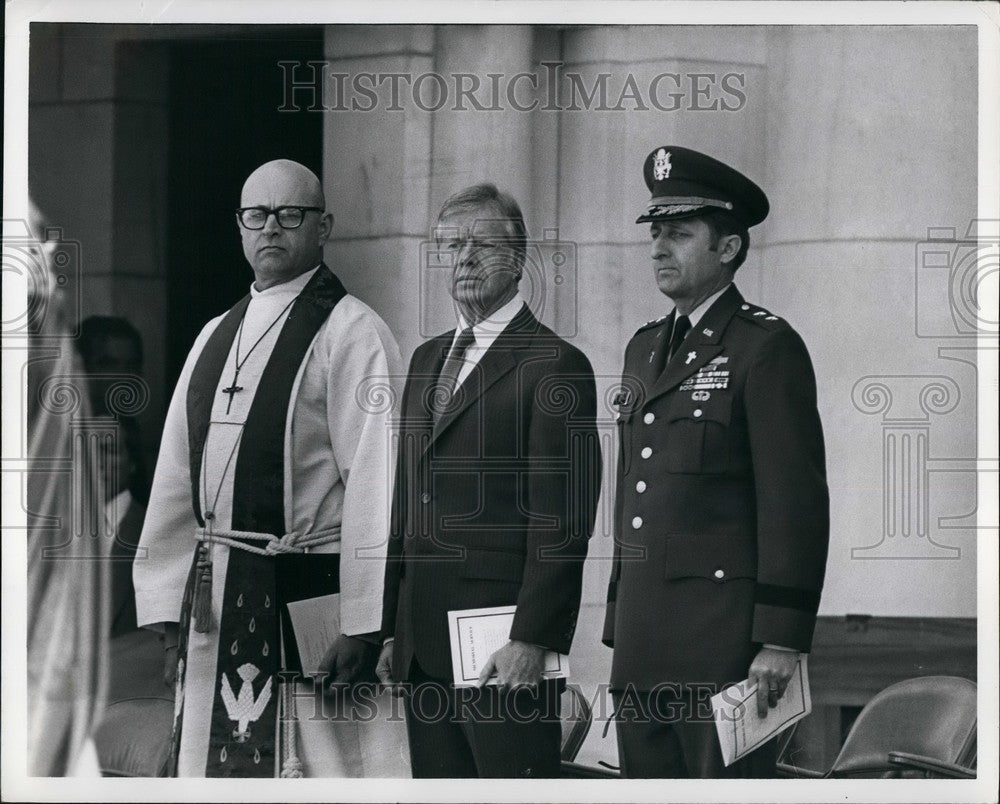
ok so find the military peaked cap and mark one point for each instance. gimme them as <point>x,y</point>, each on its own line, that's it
<point>685,183</point>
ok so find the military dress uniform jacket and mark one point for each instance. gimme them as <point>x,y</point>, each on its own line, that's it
<point>722,507</point>
<point>495,503</point>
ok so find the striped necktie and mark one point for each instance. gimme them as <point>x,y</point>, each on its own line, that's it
<point>448,379</point>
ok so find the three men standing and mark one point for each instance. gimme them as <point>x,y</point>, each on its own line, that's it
<point>496,490</point>
<point>269,462</point>
<point>722,508</point>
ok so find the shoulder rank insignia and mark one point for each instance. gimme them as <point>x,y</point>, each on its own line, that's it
<point>651,323</point>
<point>757,313</point>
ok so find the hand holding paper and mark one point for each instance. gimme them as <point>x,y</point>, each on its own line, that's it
<point>482,652</point>
<point>771,671</point>
<point>345,660</point>
<point>742,729</point>
<point>516,664</point>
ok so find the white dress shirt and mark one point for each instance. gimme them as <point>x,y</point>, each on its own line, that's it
<point>696,314</point>
<point>485,332</point>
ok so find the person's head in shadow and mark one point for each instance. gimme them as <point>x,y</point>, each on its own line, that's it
<point>111,348</point>
<point>112,353</point>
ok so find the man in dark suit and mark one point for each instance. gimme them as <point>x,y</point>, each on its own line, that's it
<point>722,508</point>
<point>496,491</point>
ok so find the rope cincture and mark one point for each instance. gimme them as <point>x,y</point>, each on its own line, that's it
<point>294,542</point>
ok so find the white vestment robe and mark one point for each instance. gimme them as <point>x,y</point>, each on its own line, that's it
<point>338,462</point>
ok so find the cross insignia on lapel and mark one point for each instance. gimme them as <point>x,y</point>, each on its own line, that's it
<point>691,356</point>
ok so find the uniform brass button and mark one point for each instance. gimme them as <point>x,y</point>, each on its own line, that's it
<point>637,522</point>
<point>640,486</point>
<point>746,307</point>
<point>720,574</point>
<point>697,413</point>
<point>646,452</point>
<point>648,418</point>
<point>425,498</point>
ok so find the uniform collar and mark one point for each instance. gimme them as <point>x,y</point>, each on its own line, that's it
<point>696,314</point>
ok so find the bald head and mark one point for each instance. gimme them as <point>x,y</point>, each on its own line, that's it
<point>284,175</point>
<point>277,254</point>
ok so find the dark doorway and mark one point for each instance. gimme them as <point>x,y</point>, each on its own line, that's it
<point>224,122</point>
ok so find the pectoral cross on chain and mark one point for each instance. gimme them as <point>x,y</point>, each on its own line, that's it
<point>232,390</point>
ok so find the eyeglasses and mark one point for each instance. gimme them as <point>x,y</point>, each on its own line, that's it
<point>287,217</point>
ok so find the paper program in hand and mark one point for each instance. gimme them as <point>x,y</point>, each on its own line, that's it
<point>477,633</point>
<point>741,729</point>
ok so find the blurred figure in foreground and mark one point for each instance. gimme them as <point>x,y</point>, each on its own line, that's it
<point>67,581</point>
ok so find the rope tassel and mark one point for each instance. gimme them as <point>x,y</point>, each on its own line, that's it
<point>201,607</point>
<point>291,765</point>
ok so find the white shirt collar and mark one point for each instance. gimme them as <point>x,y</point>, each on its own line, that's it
<point>489,329</point>
<point>294,286</point>
<point>696,314</point>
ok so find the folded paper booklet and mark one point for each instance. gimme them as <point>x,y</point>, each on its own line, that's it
<point>316,623</point>
<point>477,633</point>
<point>741,729</point>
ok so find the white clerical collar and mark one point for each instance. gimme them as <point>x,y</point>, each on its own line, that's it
<point>293,286</point>
<point>489,329</point>
<point>695,315</point>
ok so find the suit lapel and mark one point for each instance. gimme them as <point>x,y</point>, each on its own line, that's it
<point>701,345</point>
<point>496,363</point>
<point>654,366</point>
<point>424,375</point>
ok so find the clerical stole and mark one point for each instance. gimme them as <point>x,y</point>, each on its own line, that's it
<point>242,728</point>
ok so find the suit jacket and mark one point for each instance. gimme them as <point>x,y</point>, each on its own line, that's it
<point>494,504</point>
<point>722,508</point>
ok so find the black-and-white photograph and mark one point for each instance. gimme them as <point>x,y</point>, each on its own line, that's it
<point>522,401</point>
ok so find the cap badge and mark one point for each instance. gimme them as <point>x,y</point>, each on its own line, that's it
<point>661,165</point>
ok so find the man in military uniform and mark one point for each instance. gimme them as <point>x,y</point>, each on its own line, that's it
<point>722,507</point>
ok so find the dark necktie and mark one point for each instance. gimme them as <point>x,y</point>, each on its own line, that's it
<point>448,379</point>
<point>681,327</point>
